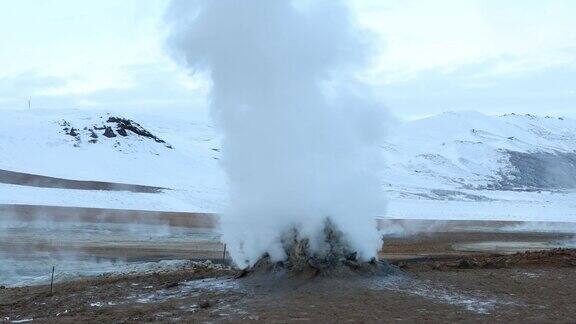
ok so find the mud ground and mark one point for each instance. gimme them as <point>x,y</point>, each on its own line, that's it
<point>535,287</point>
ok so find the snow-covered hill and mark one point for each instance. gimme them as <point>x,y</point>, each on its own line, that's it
<point>173,151</point>
<point>86,145</point>
<point>475,151</point>
<point>454,165</point>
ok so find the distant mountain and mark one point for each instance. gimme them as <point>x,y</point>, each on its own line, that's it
<point>469,150</point>
<point>165,150</point>
<point>453,150</point>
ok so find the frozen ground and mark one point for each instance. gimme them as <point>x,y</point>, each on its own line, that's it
<point>451,166</point>
<point>28,250</point>
<point>487,205</point>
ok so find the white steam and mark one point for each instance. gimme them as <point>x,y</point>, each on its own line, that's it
<point>300,138</point>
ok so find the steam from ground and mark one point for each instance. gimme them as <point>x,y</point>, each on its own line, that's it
<point>300,136</point>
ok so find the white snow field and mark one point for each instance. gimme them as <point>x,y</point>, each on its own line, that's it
<point>463,165</point>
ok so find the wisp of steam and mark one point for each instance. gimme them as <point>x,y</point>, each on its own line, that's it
<point>300,135</point>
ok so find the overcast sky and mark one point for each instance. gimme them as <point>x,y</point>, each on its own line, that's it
<point>492,56</point>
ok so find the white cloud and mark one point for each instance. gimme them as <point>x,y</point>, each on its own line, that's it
<point>85,42</point>
<point>444,35</point>
<point>470,48</point>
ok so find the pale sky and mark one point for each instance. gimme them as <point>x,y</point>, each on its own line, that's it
<point>492,56</point>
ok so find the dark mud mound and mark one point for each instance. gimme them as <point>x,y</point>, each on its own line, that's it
<point>336,259</point>
<point>313,267</point>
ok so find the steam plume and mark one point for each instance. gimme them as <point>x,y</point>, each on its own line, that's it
<point>300,136</point>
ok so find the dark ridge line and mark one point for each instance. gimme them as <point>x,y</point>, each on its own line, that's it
<point>40,181</point>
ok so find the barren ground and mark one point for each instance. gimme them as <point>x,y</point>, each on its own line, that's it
<point>439,284</point>
<point>34,180</point>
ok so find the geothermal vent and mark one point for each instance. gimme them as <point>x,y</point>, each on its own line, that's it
<point>334,259</point>
<point>300,135</point>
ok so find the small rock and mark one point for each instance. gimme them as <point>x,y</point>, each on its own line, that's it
<point>242,273</point>
<point>352,256</point>
<point>72,132</point>
<point>205,304</point>
<point>464,264</point>
<point>121,132</point>
<point>109,132</point>
<point>171,285</point>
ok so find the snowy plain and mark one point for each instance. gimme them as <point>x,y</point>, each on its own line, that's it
<point>450,166</point>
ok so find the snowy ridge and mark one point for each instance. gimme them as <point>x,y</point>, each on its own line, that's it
<point>472,150</point>
<point>37,142</point>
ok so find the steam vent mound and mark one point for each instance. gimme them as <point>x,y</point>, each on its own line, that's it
<point>337,260</point>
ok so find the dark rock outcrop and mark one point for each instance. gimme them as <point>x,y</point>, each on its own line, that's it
<point>538,171</point>
<point>109,132</point>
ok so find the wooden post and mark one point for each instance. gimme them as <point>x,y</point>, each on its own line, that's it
<point>52,280</point>
<point>224,255</point>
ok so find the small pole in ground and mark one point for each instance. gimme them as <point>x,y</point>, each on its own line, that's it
<point>224,255</point>
<point>52,280</point>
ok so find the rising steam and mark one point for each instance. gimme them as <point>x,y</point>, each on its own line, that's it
<point>300,137</point>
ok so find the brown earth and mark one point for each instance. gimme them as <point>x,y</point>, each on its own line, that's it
<point>35,180</point>
<point>441,282</point>
<point>555,258</point>
<point>445,245</point>
<point>441,245</point>
<point>29,213</point>
<point>524,287</point>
